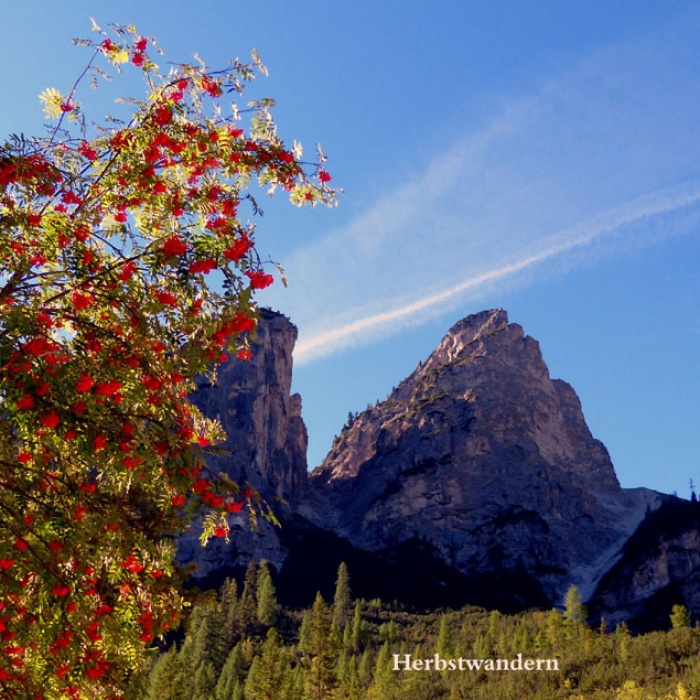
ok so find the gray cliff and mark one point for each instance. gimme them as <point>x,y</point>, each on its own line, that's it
<point>484,457</point>
<point>476,480</point>
<point>659,567</point>
<point>265,446</point>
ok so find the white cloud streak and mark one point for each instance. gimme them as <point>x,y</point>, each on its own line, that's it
<point>610,146</point>
<point>364,329</point>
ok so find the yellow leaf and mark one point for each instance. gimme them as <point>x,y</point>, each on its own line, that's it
<point>52,99</point>
<point>120,56</point>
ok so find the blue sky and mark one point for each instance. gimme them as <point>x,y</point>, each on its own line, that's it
<point>542,157</point>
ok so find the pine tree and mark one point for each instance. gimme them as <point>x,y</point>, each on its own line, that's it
<point>190,658</point>
<point>226,684</point>
<point>349,686</point>
<point>445,645</point>
<point>319,668</point>
<point>480,647</point>
<point>204,682</point>
<point>341,599</point>
<point>164,680</point>
<point>365,669</point>
<point>247,613</point>
<point>319,649</point>
<point>232,674</point>
<point>267,607</point>
<point>555,629</point>
<point>293,686</point>
<point>305,631</point>
<point>386,683</point>
<point>680,617</point>
<point>421,686</point>
<point>347,638</point>
<point>574,609</point>
<point>494,626</point>
<point>388,632</point>
<point>208,637</point>
<point>358,628</point>
<point>503,644</point>
<point>205,643</point>
<point>622,642</point>
<point>228,600</point>
<point>267,672</point>
<point>521,638</point>
<point>238,691</point>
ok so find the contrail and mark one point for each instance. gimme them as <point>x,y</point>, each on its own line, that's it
<point>328,342</point>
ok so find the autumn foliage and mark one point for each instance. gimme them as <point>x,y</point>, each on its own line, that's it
<point>128,267</point>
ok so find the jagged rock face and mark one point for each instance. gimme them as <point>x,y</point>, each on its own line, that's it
<point>658,567</point>
<point>265,446</point>
<point>482,455</point>
<point>266,437</point>
<point>476,481</point>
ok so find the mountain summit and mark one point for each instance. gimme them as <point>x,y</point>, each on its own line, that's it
<point>483,457</point>
<point>476,481</point>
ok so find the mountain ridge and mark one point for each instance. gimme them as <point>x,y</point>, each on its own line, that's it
<point>476,481</point>
<point>488,457</point>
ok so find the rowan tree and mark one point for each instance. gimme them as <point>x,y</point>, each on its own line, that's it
<point>128,266</point>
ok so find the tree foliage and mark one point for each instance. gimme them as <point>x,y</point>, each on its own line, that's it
<point>266,597</point>
<point>301,657</point>
<point>129,266</point>
<point>341,598</point>
<point>574,609</point>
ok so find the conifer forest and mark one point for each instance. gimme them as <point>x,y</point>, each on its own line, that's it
<point>241,644</point>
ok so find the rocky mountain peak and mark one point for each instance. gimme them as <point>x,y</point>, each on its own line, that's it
<point>266,443</point>
<point>465,332</point>
<point>475,481</point>
<point>266,437</point>
<point>484,457</point>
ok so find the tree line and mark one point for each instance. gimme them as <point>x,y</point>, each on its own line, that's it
<point>241,644</point>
